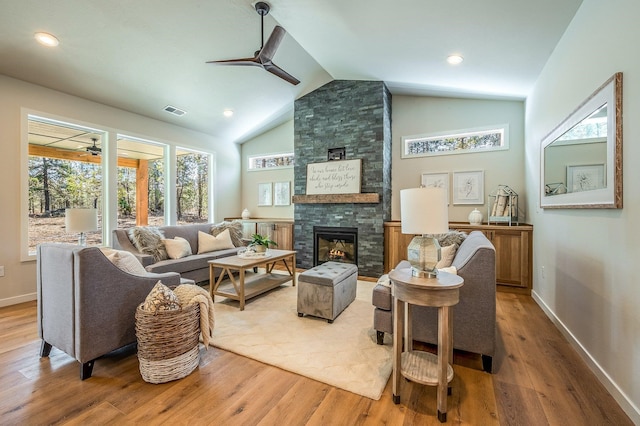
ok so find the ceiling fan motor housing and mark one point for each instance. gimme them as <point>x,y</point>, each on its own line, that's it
<point>262,8</point>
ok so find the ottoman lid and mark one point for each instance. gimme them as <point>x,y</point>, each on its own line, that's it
<point>328,273</point>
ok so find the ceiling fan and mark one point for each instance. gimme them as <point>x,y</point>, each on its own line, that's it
<point>94,150</point>
<point>263,57</point>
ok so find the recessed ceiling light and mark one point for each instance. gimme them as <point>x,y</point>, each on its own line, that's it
<point>454,59</point>
<point>228,112</point>
<point>46,39</point>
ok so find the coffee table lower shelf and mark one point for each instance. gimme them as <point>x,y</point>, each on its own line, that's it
<point>254,285</point>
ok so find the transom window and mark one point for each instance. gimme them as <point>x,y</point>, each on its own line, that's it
<point>484,139</point>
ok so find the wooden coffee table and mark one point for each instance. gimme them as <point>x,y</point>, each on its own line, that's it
<point>250,284</point>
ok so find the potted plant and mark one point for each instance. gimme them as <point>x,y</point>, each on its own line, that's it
<point>261,243</point>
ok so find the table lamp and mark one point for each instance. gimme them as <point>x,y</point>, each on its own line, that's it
<point>81,220</point>
<point>424,211</point>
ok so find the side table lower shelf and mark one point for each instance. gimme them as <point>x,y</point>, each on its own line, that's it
<point>422,367</point>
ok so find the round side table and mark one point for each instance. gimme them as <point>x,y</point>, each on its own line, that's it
<point>418,366</point>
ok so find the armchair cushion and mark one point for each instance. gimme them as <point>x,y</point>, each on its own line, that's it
<point>125,261</point>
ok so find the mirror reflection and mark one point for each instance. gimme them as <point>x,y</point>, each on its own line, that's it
<point>576,160</point>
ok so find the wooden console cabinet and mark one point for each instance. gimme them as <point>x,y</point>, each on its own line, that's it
<point>278,230</point>
<point>513,244</point>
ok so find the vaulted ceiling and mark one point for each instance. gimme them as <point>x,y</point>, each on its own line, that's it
<point>143,55</point>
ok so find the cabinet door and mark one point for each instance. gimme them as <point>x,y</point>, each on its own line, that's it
<point>395,246</point>
<point>511,257</point>
<point>248,229</point>
<point>280,233</point>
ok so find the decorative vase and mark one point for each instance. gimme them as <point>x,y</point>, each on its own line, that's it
<point>475,217</point>
<point>245,214</point>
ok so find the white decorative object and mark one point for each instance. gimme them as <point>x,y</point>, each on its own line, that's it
<point>245,214</point>
<point>475,217</point>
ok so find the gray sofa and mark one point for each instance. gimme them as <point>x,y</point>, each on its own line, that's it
<point>474,317</point>
<point>194,267</point>
<point>87,305</point>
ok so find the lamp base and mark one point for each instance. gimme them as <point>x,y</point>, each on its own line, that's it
<point>419,273</point>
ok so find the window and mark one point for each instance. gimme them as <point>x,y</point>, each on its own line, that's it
<point>457,142</point>
<point>265,162</point>
<point>192,186</point>
<point>64,171</point>
<point>141,182</point>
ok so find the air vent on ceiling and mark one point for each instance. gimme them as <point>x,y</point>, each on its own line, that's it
<point>175,111</point>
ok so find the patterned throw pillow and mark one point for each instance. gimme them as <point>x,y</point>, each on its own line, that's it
<point>148,240</point>
<point>235,230</point>
<point>451,237</point>
<point>161,298</point>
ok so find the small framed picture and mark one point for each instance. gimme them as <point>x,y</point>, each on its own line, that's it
<point>264,194</point>
<point>436,180</point>
<point>281,194</point>
<point>336,154</point>
<point>585,177</point>
<point>468,187</point>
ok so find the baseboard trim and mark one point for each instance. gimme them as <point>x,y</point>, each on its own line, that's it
<point>621,398</point>
<point>18,299</point>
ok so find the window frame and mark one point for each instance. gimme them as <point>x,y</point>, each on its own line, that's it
<point>502,128</point>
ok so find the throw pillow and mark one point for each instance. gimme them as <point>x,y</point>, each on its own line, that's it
<point>207,243</point>
<point>447,254</point>
<point>126,262</point>
<point>177,248</point>
<point>235,230</point>
<point>148,240</point>
<point>451,237</point>
<point>161,298</point>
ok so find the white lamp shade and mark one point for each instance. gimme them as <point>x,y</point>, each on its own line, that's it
<point>81,220</point>
<point>424,211</point>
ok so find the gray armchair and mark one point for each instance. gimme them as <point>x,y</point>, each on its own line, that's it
<point>474,317</point>
<point>86,305</point>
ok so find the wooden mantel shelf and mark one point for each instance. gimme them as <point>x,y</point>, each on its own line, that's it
<point>372,197</point>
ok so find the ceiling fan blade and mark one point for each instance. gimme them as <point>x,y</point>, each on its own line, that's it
<point>241,62</point>
<point>269,49</point>
<point>276,70</point>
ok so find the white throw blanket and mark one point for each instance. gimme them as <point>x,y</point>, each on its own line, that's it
<point>189,294</point>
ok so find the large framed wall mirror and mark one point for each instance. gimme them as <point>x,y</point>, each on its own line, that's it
<point>581,159</point>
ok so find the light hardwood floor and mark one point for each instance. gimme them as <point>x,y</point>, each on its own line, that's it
<point>539,379</point>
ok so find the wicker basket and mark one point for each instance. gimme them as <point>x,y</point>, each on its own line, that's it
<point>168,343</point>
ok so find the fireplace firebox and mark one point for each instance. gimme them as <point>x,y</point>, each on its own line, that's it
<point>337,244</point>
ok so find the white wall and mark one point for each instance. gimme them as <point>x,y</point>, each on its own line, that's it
<point>591,278</point>
<point>19,283</point>
<point>276,141</point>
<point>414,115</point>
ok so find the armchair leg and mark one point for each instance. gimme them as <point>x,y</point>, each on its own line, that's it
<point>487,363</point>
<point>45,349</point>
<point>379,337</point>
<point>86,369</point>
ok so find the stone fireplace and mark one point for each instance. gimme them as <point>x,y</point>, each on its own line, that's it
<point>353,118</point>
<point>335,244</point>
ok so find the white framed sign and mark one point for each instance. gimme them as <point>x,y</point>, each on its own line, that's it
<point>334,177</point>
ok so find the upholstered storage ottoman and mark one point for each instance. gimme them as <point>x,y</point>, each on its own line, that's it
<point>327,289</point>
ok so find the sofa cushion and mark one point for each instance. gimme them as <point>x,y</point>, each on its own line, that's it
<point>177,247</point>
<point>208,243</point>
<point>447,254</point>
<point>189,263</point>
<point>124,261</point>
<point>148,240</point>
<point>234,228</point>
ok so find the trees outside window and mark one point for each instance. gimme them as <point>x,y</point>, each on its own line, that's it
<point>192,186</point>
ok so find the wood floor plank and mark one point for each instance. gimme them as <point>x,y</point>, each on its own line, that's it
<point>538,379</point>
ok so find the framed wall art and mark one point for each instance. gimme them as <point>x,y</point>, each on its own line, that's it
<point>468,187</point>
<point>281,194</point>
<point>264,194</point>
<point>436,180</point>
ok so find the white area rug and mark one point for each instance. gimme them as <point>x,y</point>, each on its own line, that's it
<point>343,354</point>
